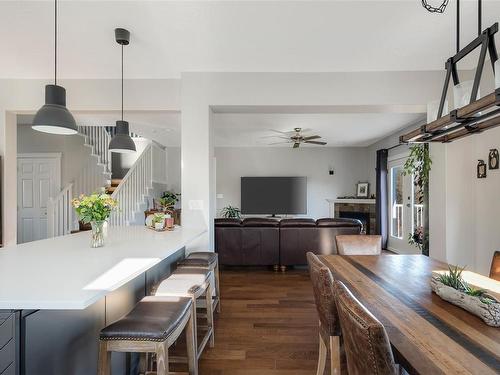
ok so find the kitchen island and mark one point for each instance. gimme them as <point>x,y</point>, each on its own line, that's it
<point>57,294</point>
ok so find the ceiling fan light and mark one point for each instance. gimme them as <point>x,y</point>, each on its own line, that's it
<point>53,117</point>
<point>122,142</point>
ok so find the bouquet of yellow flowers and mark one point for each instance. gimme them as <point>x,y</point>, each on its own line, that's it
<point>94,207</point>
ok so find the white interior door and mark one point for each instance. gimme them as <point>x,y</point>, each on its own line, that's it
<point>405,211</point>
<point>38,179</point>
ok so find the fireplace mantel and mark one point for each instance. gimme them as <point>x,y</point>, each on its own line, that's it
<point>357,205</point>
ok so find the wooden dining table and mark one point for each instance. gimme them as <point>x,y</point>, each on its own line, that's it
<point>428,335</point>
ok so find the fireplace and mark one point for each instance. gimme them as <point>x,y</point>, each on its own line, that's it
<point>355,208</point>
<point>364,217</point>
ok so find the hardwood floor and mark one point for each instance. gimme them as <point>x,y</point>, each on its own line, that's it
<point>268,325</point>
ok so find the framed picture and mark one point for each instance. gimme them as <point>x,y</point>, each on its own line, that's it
<point>493,159</point>
<point>362,189</point>
<point>481,169</point>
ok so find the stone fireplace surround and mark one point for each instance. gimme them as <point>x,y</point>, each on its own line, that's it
<point>361,207</point>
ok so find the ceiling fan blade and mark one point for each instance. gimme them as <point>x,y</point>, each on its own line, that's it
<point>296,145</point>
<point>282,133</point>
<point>312,137</point>
<point>278,143</point>
<point>274,136</point>
<point>316,143</point>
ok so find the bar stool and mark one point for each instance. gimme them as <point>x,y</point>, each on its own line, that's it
<point>206,260</point>
<point>153,326</point>
<point>193,283</point>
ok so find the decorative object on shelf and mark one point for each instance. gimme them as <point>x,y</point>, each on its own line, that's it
<point>168,200</point>
<point>121,141</point>
<point>435,9</point>
<point>230,212</point>
<point>362,189</point>
<point>95,209</point>
<point>481,169</point>
<point>451,287</point>
<point>493,159</point>
<point>158,222</point>
<point>54,117</point>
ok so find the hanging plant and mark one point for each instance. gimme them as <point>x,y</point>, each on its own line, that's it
<point>418,164</point>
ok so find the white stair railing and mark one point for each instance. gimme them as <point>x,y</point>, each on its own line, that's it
<point>133,188</point>
<point>150,167</point>
<point>60,213</point>
<point>98,138</point>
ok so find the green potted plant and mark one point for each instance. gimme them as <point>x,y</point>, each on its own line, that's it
<point>95,209</point>
<point>230,212</point>
<point>158,221</point>
<point>168,200</point>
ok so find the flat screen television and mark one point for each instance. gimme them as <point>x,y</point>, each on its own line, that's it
<point>273,195</point>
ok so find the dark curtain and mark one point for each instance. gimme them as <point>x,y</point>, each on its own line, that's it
<point>382,220</point>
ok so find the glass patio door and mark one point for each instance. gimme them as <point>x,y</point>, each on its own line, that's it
<point>405,208</point>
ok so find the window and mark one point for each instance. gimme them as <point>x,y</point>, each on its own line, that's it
<point>397,202</point>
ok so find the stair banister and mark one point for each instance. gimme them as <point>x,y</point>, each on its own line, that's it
<point>60,213</point>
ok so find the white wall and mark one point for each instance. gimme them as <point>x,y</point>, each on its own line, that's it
<point>349,164</point>
<point>174,169</point>
<point>74,153</point>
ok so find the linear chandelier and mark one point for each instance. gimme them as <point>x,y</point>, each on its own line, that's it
<point>478,114</point>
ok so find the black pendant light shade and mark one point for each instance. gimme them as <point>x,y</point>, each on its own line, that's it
<point>54,117</point>
<point>121,142</point>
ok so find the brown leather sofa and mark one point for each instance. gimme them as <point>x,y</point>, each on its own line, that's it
<point>269,242</point>
<point>251,242</point>
<point>298,236</point>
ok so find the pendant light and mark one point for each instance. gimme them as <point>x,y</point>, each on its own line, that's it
<point>54,117</point>
<point>121,142</point>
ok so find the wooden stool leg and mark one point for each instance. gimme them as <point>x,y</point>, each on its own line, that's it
<point>210,315</point>
<point>321,357</point>
<point>217,285</point>
<point>104,363</point>
<point>162,358</point>
<point>335,355</point>
<point>191,344</point>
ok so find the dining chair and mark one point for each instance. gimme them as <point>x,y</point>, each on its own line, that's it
<point>365,340</point>
<point>359,244</point>
<point>495,266</point>
<point>329,328</point>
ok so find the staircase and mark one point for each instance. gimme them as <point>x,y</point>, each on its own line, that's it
<point>132,192</point>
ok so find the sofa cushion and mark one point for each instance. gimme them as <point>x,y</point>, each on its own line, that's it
<point>227,222</point>
<point>297,223</point>
<point>260,222</point>
<point>338,222</point>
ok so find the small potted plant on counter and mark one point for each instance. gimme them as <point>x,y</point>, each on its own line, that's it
<point>95,209</point>
<point>168,200</point>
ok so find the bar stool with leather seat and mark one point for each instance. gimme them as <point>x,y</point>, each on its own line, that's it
<point>206,260</point>
<point>329,326</point>
<point>152,326</point>
<point>367,346</point>
<point>194,283</point>
<point>359,244</point>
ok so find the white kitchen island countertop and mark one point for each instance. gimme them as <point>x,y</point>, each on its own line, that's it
<point>66,273</point>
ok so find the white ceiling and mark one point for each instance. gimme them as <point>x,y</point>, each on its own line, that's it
<point>337,129</point>
<point>170,37</point>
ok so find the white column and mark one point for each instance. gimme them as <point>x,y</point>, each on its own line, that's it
<point>197,156</point>
<point>8,151</point>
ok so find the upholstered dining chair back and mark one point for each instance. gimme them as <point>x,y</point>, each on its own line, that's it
<point>366,343</point>
<point>495,266</point>
<point>359,244</point>
<point>322,282</point>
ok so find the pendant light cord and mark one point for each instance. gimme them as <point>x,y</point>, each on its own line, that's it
<point>55,42</point>
<point>122,82</point>
<point>479,17</point>
<point>458,26</point>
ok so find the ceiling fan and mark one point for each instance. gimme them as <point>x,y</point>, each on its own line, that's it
<point>297,137</point>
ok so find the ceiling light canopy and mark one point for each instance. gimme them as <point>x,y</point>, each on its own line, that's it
<point>54,117</point>
<point>122,142</point>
